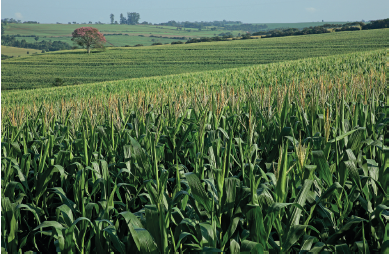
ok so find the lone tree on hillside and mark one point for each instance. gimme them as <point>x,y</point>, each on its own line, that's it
<point>88,37</point>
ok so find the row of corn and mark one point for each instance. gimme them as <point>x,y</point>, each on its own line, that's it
<point>296,168</point>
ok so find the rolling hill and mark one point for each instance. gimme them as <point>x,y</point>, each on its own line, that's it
<point>76,67</point>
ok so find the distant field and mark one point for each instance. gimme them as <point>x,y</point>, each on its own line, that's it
<point>76,67</point>
<point>114,40</point>
<point>131,33</point>
<point>14,51</point>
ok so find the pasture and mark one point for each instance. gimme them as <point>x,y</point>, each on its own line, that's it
<point>17,52</point>
<point>131,34</point>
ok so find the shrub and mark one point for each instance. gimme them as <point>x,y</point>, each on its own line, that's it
<point>58,82</point>
<point>177,42</point>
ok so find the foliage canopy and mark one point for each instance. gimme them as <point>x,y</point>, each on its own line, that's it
<point>88,37</point>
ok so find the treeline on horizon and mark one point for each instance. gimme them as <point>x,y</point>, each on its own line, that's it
<point>351,26</point>
<point>227,25</point>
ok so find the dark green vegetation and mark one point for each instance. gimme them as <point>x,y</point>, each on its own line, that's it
<point>122,63</point>
<point>287,157</point>
<point>326,28</point>
<point>41,45</point>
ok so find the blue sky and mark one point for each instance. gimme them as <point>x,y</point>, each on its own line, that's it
<point>156,11</point>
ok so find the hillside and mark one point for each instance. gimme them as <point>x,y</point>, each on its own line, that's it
<point>17,52</point>
<point>116,35</point>
<point>120,35</point>
<point>76,67</point>
<point>338,67</point>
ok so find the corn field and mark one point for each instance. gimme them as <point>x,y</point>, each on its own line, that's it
<point>136,62</point>
<point>296,167</point>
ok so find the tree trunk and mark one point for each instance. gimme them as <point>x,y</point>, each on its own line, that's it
<point>88,49</point>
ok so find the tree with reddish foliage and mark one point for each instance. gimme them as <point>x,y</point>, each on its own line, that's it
<point>88,37</point>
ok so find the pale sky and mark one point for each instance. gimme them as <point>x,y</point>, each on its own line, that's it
<point>157,11</point>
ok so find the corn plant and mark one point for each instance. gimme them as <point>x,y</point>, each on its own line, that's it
<point>301,167</point>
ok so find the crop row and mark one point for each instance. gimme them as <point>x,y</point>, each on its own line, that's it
<point>76,67</point>
<point>234,168</point>
<point>372,65</point>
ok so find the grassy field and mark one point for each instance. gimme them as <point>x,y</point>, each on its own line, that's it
<point>281,158</point>
<point>131,34</point>
<point>114,40</point>
<point>121,63</point>
<point>17,52</point>
<point>66,30</point>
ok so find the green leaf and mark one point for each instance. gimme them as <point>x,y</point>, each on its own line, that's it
<point>182,236</point>
<point>353,172</point>
<point>317,248</point>
<point>67,214</point>
<point>115,240</point>
<point>210,250</point>
<point>301,199</point>
<point>208,234</point>
<point>385,247</point>
<point>198,191</point>
<point>292,236</point>
<point>347,227</point>
<point>147,243</point>
<point>251,247</point>
<point>344,135</point>
<point>342,249</point>
<point>322,166</point>
<point>152,223</point>
<point>307,244</point>
<point>46,224</point>
<point>257,229</point>
<point>234,247</point>
<point>230,231</point>
<point>326,194</point>
<point>276,207</point>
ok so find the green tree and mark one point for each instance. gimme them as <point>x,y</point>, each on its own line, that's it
<point>133,18</point>
<point>123,20</point>
<point>111,18</point>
